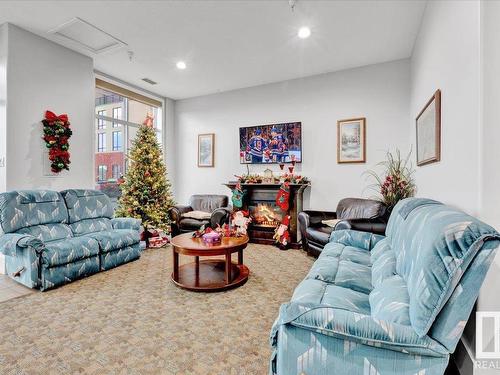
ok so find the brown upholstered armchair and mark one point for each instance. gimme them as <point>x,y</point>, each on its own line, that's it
<point>215,205</point>
<point>365,215</point>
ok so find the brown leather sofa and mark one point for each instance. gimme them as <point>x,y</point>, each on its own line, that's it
<point>365,215</point>
<point>216,205</point>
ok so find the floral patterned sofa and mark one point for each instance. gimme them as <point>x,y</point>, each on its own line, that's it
<point>387,305</point>
<point>51,238</point>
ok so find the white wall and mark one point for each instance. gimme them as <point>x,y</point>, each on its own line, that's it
<point>446,56</point>
<point>3,117</point>
<point>458,51</point>
<point>490,150</point>
<point>3,107</point>
<point>378,92</point>
<point>490,156</point>
<point>43,76</point>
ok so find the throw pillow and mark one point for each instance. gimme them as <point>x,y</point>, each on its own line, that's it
<point>330,223</point>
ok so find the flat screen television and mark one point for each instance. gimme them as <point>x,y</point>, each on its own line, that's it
<point>271,144</point>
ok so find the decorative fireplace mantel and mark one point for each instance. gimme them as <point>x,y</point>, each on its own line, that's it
<point>260,201</point>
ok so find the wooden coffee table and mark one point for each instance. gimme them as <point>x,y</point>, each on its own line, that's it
<point>209,275</point>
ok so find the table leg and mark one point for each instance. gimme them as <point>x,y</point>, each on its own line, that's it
<point>228,268</point>
<point>240,257</point>
<point>176,264</point>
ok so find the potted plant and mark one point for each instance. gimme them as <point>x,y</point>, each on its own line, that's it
<point>395,182</point>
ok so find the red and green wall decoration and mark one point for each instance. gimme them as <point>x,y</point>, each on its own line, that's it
<point>56,133</point>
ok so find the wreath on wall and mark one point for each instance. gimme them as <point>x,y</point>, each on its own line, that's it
<point>56,133</point>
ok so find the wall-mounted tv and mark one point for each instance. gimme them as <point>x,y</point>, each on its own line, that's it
<point>275,143</point>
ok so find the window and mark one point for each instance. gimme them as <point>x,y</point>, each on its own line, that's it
<point>101,142</point>
<point>117,113</point>
<point>100,121</point>
<point>102,171</point>
<point>116,171</point>
<point>117,141</point>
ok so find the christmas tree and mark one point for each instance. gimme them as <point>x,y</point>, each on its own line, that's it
<point>146,191</point>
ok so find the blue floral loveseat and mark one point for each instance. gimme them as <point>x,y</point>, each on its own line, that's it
<point>387,305</point>
<point>51,238</point>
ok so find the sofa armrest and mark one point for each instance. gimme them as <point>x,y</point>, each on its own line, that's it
<point>12,244</point>
<point>363,240</point>
<point>220,216</point>
<point>175,212</point>
<point>376,225</point>
<point>314,218</point>
<point>360,328</point>
<point>126,223</point>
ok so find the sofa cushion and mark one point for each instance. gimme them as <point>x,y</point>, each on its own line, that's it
<point>389,301</point>
<point>433,245</point>
<point>207,202</point>
<point>198,215</point>
<point>383,262</point>
<point>358,208</point>
<point>350,253</point>
<point>91,225</point>
<point>26,208</point>
<point>320,292</point>
<point>48,232</point>
<point>320,235</point>
<point>69,250</point>
<point>115,239</point>
<point>192,224</point>
<point>344,266</point>
<point>87,204</point>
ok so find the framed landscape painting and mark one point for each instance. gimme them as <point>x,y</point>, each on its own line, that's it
<point>428,126</point>
<point>351,140</point>
<point>206,150</point>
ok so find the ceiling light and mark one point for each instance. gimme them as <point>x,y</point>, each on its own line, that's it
<point>181,65</point>
<point>304,32</point>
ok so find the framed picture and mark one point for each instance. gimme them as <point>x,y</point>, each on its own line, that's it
<point>428,124</point>
<point>206,143</point>
<point>351,140</point>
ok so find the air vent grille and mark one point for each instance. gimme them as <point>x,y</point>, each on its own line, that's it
<point>88,36</point>
<point>150,81</point>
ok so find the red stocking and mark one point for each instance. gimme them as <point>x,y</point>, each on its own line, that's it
<point>283,197</point>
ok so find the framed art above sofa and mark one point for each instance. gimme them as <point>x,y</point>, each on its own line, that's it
<point>351,140</point>
<point>428,128</point>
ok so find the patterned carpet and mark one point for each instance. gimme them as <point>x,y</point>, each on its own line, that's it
<point>132,320</point>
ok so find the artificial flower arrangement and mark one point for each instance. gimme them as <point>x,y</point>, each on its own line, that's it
<point>56,133</point>
<point>396,181</point>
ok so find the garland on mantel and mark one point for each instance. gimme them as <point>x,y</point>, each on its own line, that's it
<point>56,133</point>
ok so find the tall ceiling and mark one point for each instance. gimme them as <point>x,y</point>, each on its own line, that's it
<point>230,44</point>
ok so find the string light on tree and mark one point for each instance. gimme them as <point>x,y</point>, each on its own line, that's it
<point>146,191</point>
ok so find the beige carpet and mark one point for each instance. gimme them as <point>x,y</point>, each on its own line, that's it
<point>133,320</point>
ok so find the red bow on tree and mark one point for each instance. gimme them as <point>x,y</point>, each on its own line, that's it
<point>51,117</point>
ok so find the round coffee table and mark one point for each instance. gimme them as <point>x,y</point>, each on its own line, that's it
<point>210,275</point>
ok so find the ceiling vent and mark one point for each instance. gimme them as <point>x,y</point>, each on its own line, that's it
<point>150,81</point>
<point>88,36</point>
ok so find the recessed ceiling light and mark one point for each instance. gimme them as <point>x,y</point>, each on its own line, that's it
<point>181,65</point>
<point>304,32</point>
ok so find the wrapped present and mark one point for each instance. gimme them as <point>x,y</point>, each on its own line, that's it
<point>158,241</point>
